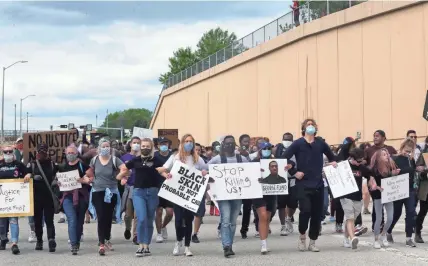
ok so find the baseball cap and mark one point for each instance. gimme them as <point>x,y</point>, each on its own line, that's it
<point>380,132</point>
<point>265,145</point>
<point>19,139</point>
<point>42,148</point>
<point>163,140</point>
<point>215,143</point>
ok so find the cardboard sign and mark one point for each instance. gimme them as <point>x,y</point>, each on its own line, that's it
<point>275,178</point>
<point>186,187</point>
<point>341,180</point>
<point>68,180</point>
<point>57,141</point>
<point>395,188</point>
<point>16,198</point>
<point>171,134</point>
<point>142,132</point>
<point>236,181</point>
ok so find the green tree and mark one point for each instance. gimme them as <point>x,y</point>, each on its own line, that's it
<point>128,119</point>
<point>181,59</point>
<point>214,40</point>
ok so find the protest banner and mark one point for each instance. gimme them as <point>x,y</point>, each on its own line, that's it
<point>236,181</point>
<point>341,180</point>
<point>186,187</point>
<point>16,198</point>
<point>171,134</point>
<point>142,132</point>
<point>57,141</point>
<point>395,188</point>
<point>68,180</point>
<point>274,177</point>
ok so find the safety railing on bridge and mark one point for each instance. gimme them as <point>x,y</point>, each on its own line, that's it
<point>308,11</point>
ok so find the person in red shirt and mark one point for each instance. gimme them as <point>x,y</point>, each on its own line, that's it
<point>296,13</point>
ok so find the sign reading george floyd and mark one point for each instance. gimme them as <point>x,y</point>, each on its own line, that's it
<point>171,134</point>
<point>16,198</point>
<point>57,141</point>
<point>186,187</point>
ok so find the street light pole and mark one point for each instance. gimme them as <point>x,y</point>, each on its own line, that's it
<point>27,122</point>
<point>2,97</point>
<point>14,133</point>
<point>20,113</point>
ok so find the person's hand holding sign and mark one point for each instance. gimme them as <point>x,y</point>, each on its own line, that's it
<point>299,175</point>
<point>27,178</point>
<point>396,171</point>
<point>204,172</point>
<point>123,181</point>
<point>334,164</point>
<point>288,167</point>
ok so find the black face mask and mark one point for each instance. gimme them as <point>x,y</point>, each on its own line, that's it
<point>146,152</point>
<point>229,147</point>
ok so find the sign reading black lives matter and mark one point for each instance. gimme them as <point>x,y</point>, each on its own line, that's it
<point>236,181</point>
<point>186,187</point>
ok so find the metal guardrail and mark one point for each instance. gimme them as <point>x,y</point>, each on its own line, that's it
<point>311,10</point>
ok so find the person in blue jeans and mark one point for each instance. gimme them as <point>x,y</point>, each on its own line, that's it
<point>75,202</point>
<point>145,195</point>
<point>229,209</point>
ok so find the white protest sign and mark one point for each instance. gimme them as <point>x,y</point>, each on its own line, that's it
<point>16,198</point>
<point>186,187</point>
<point>236,181</point>
<point>68,180</point>
<point>341,180</point>
<point>142,132</point>
<point>274,176</point>
<point>395,188</point>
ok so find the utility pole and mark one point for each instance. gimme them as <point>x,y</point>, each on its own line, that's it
<point>27,122</point>
<point>15,122</point>
<point>96,120</point>
<point>107,122</point>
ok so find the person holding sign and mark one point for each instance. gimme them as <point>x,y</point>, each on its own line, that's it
<point>145,195</point>
<point>75,202</point>
<point>184,217</point>
<point>10,168</point>
<point>382,166</point>
<point>308,151</point>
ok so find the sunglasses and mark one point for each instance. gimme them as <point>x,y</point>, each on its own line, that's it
<point>8,152</point>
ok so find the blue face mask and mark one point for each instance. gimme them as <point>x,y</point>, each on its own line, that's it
<point>310,130</point>
<point>163,148</point>
<point>105,151</point>
<point>266,153</point>
<point>188,146</point>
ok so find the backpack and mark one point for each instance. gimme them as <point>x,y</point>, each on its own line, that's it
<point>224,159</point>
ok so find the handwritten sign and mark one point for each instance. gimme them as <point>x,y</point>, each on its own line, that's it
<point>275,180</point>
<point>57,141</point>
<point>16,198</point>
<point>236,181</point>
<point>395,188</point>
<point>68,180</point>
<point>171,134</point>
<point>186,187</point>
<point>341,180</point>
<point>142,132</point>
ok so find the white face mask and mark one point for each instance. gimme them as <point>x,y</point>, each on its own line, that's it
<point>8,158</point>
<point>286,143</point>
<point>136,147</point>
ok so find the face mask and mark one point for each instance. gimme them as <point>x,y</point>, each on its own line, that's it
<point>217,148</point>
<point>188,146</point>
<point>286,143</point>
<point>266,153</point>
<point>136,147</point>
<point>146,152</point>
<point>105,151</point>
<point>163,148</point>
<point>8,158</point>
<point>310,130</point>
<point>71,157</point>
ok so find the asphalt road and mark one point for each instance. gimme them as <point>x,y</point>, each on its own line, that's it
<point>209,252</point>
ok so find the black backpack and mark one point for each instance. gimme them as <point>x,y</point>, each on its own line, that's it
<point>224,159</point>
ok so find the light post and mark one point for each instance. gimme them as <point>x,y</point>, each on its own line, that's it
<point>26,118</point>
<point>20,113</point>
<point>2,97</point>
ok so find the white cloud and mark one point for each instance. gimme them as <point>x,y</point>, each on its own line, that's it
<point>86,70</point>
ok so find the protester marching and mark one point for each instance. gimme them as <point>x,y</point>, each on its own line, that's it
<point>235,176</point>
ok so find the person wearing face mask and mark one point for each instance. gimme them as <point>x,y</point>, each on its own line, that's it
<point>183,217</point>
<point>215,150</point>
<point>127,203</point>
<point>162,234</point>
<point>105,196</point>
<point>145,195</point>
<point>10,168</point>
<point>216,147</point>
<point>308,151</point>
<point>43,171</point>
<point>287,139</point>
<point>75,202</point>
<point>19,149</point>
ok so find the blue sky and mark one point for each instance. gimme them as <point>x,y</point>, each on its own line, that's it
<point>87,57</point>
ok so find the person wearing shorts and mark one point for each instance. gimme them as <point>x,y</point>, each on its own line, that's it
<point>287,205</point>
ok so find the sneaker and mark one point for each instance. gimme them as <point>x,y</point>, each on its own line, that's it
<point>195,238</point>
<point>289,225</point>
<point>187,252</point>
<point>418,238</point>
<point>389,238</point>
<point>332,219</point>
<point>216,211</point>
<point>244,235</point>
<point>228,252</point>
<point>312,246</point>
<point>15,249</point>
<point>74,250</point>
<point>61,220</point>
<point>177,247</point>
<point>377,244</point>
<point>346,243</point>
<point>320,230</point>
<point>354,242</point>
<point>101,250</point>
<point>127,234</point>
<point>360,230</point>
<point>139,252</point>
<point>52,245</point>
<point>212,210</point>
<point>410,243</point>
<point>39,245</point>
<point>164,233</point>
<point>366,211</point>
<point>135,240</point>
<point>256,234</point>
<point>109,245</point>
<point>284,231</point>
<point>78,246</point>
<point>32,237</point>
<point>264,249</point>
<point>3,245</point>
<point>231,251</point>
<point>302,243</point>
<point>385,242</point>
<point>339,228</point>
<point>159,238</point>
<point>292,219</point>
<point>146,252</point>
<point>324,222</point>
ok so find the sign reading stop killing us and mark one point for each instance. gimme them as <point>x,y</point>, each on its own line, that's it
<point>16,198</point>
<point>236,181</point>
<point>395,188</point>
<point>68,180</point>
<point>186,187</point>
